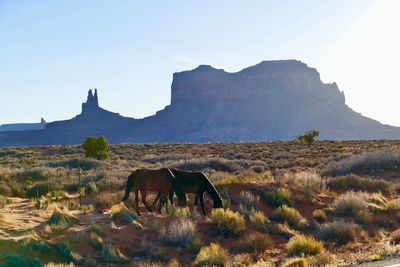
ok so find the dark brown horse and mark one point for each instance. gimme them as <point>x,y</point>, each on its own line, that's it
<point>162,181</point>
<point>196,183</point>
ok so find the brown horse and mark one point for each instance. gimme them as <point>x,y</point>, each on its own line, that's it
<point>162,181</point>
<point>196,183</point>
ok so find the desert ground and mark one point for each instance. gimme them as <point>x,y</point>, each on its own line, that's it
<point>285,204</point>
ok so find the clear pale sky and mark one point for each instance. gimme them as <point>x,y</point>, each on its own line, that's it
<point>52,52</point>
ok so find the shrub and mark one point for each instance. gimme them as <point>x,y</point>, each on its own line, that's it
<point>212,255</point>
<point>295,262</point>
<point>259,220</point>
<point>259,242</point>
<point>319,216</point>
<point>289,215</point>
<point>181,232</point>
<point>278,197</point>
<point>112,255</point>
<point>304,245</point>
<point>322,259</point>
<point>4,201</point>
<point>42,188</point>
<point>308,137</point>
<point>365,163</point>
<point>96,147</point>
<point>248,200</point>
<point>61,218</point>
<point>96,241</point>
<point>18,261</point>
<point>350,204</point>
<point>84,164</point>
<point>339,232</point>
<point>51,264</point>
<point>358,183</point>
<point>121,212</point>
<point>395,237</point>
<point>282,229</point>
<point>96,228</point>
<point>227,221</point>
<point>311,182</point>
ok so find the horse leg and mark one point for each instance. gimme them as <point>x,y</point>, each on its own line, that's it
<point>171,197</point>
<point>144,200</point>
<point>137,201</point>
<point>156,199</point>
<point>164,200</point>
<point>202,204</point>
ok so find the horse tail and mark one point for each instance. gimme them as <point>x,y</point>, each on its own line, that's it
<point>177,187</point>
<point>212,191</point>
<point>129,185</point>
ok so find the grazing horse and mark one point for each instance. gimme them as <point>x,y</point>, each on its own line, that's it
<point>196,183</point>
<point>162,181</point>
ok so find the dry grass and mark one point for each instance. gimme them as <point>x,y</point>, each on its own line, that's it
<point>212,255</point>
<point>227,221</point>
<point>289,215</point>
<point>300,245</point>
<point>340,232</point>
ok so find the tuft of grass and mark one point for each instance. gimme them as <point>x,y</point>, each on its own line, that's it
<point>322,259</point>
<point>319,216</point>
<point>395,237</point>
<point>278,197</point>
<point>121,212</point>
<point>295,262</point>
<point>300,245</point>
<point>4,201</point>
<point>96,242</point>
<point>227,221</point>
<point>112,254</point>
<point>339,232</point>
<point>259,220</point>
<point>248,200</point>
<point>212,255</point>
<point>259,242</point>
<point>61,218</point>
<point>282,229</point>
<point>358,183</point>
<point>289,215</point>
<point>350,204</point>
<point>181,232</point>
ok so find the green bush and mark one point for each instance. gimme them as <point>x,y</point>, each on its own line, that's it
<point>227,221</point>
<point>300,245</point>
<point>96,147</point>
<point>277,197</point>
<point>308,137</point>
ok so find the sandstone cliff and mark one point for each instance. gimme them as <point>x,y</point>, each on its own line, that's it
<point>269,101</point>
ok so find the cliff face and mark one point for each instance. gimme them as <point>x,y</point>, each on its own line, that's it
<point>269,101</point>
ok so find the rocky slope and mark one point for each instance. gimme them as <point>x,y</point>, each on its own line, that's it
<point>269,101</point>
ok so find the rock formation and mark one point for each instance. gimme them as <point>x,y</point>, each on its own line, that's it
<point>269,101</point>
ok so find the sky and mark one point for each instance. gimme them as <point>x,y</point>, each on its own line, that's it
<point>52,52</point>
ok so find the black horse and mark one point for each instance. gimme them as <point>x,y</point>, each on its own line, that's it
<point>196,183</point>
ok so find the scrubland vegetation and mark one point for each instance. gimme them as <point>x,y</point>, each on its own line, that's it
<point>285,204</point>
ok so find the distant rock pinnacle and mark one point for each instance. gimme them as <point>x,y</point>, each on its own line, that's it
<point>92,102</point>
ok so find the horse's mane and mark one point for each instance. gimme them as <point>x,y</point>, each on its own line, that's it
<point>210,188</point>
